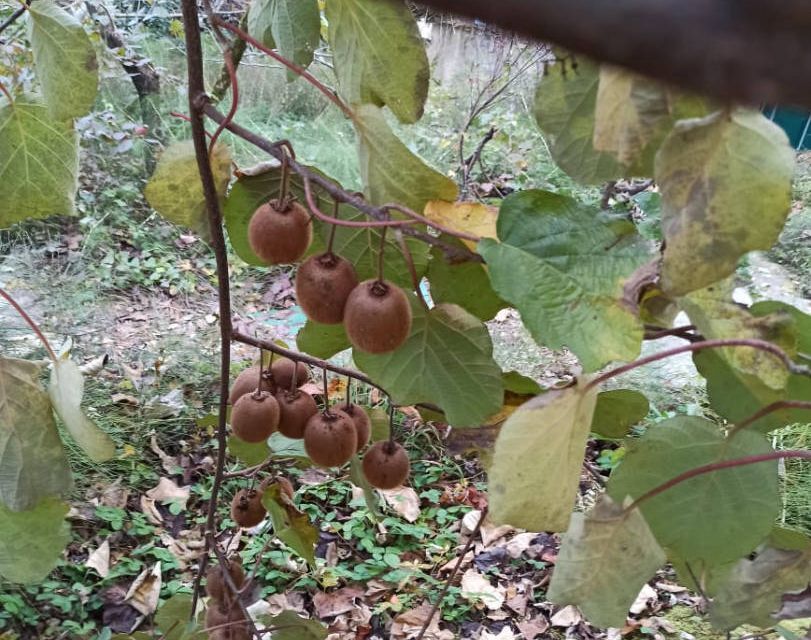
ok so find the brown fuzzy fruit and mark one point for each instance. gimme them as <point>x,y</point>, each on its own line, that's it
<point>247,381</point>
<point>247,509</point>
<point>255,416</point>
<point>295,410</point>
<point>330,439</point>
<point>282,372</point>
<point>323,284</point>
<point>363,426</point>
<point>386,465</point>
<point>377,316</point>
<point>226,622</point>
<point>216,586</point>
<point>280,234</point>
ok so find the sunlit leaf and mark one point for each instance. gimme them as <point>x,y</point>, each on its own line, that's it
<point>40,162</point>
<point>617,411</point>
<point>606,557</point>
<point>32,541</point>
<point>65,60</point>
<point>32,461</point>
<point>725,182</point>
<point>290,525</point>
<point>291,26</point>
<point>283,447</point>
<point>379,56</point>
<point>322,340</point>
<point>516,383</point>
<point>714,517</point>
<point>447,360</point>
<point>289,625</point>
<point>359,480</point>
<point>248,453</point>
<point>470,217</point>
<point>175,190</point>
<point>563,264</point>
<point>535,474</point>
<point>66,390</point>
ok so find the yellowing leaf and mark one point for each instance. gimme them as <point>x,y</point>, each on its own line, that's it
<point>175,190</point>
<point>537,460</point>
<point>471,217</point>
<point>617,411</point>
<point>66,390</point>
<point>31,542</point>
<point>606,557</point>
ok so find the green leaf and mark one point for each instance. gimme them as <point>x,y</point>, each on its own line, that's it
<point>248,453</point>
<point>290,525</point>
<point>754,589</point>
<point>606,557</point>
<point>535,474</point>
<point>173,616</point>
<point>175,190</point>
<point>617,411</point>
<point>564,110</point>
<point>381,425</point>
<point>447,360</point>
<point>291,26</point>
<point>322,340</point>
<point>464,283</point>
<point>714,517</point>
<point>33,461</point>
<point>65,60</point>
<point>725,182</point>
<point>563,265</point>
<point>40,166</point>
<point>31,542</point>
<point>283,447</point>
<point>379,56</point>
<point>291,626</point>
<point>359,480</point>
<point>390,172</point>
<point>66,390</point>
<point>519,384</point>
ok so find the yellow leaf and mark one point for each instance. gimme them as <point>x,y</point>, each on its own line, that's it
<point>472,217</point>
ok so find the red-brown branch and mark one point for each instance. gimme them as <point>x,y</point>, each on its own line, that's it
<point>770,408</point>
<point>30,322</point>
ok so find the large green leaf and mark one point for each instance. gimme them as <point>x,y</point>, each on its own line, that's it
<point>754,588</point>
<point>535,474</point>
<point>289,625</point>
<point>390,172</point>
<point>736,394</point>
<point>174,618</point>
<point>378,55</point>
<point>606,557</point>
<point>248,453</point>
<point>175,190</point>
<point>322,340</point>
<point>617,411</point>
<point>447,360</point>
<point>32,541</point>
<point>725,182</point>
<point>714,517</point>
<point>66,390</point>
<point>32,461</point>
<point>65,60</point>
<point>291,26</point>
<point>564,109</point>
<point>290,525</point>
<point>39,162</point>
<point>563,265</point>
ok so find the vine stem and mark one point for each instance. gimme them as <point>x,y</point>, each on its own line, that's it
<point>412,269</point>
<point>769,408</point>
<point>753,343</point>
<point>716,466</point>
<point>197,102</point>
<point>232,74</point>
<point>30,322</point>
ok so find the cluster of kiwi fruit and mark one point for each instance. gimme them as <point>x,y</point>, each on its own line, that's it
<point>225,619</point>
<point>376,313</point>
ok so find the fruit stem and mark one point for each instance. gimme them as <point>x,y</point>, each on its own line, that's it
<point>415,280</point>
<point>283,186</point>
<point>294,377</point>
<point>30,322</point>
<point>335,211</point>
<point>327,412</point>
<point>381,253</point>
<point>348,392</point>
<point>391,424</point>
<point>259,382</point>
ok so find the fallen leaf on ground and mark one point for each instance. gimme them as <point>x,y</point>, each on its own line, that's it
<point>144,593</point>
<point>505,634</point>
<point>333,603</point>
<point>476,587</point>
<point>404,500</point>
<point>646,594</point>
<point>168,491</point>
<point>531,629</point>
<point>408,624</point>
<point>566,617</point>
<point>100,559</point>
<point>519,544</point>
<point>169,463</point>
<point>151,511</point>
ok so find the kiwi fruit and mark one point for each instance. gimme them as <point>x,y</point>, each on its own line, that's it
<point>377,316</point>
<point>279,233</point>
<point>226,622</point>
<point>247,381</point>
<point>216,586</point>
<point>282,371</point>
<point>295,409</point>
<point>363,426</point>
<point>386,465</point>
<point>255,416</point>
<point>323,284</point>
<point>247,509</point>
<point>330,438</point>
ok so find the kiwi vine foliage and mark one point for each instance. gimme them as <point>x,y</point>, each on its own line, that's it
<point>581,275</point>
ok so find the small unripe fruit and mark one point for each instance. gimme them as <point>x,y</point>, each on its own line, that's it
<point>280,233</point>
<point>282,371</point>
<point>386,465</point>
<point>377,316</point>
<point>216,586</point>
<point>330,439</point>
<point>247,382</point>
<point>323,285</point>
<point>295,409</point>
<point>363,426</point>
<point>247,509</point>
<point>255,416</point>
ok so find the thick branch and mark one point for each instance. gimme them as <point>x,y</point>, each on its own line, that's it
<point>750,51</point>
